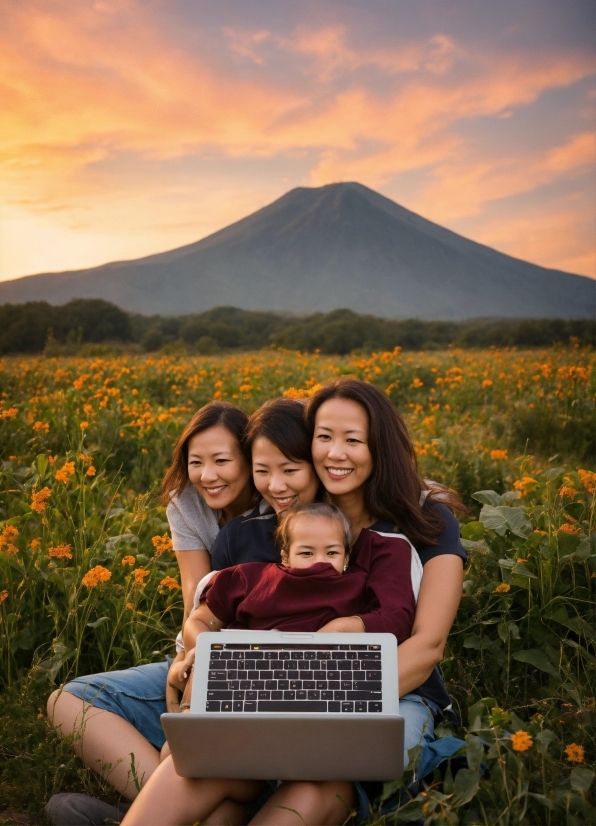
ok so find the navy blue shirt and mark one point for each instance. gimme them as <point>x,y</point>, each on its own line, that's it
<point>250,539</point>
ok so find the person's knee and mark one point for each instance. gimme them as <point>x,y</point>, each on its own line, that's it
<point>51,704</point>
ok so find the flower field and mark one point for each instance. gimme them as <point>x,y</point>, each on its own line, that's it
<point>88,581</point>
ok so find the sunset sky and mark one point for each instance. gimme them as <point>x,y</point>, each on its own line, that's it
<point>129,127</point>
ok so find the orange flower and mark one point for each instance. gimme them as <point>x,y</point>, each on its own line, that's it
<point>567,528</point>
<point>41,426</point>
<point>139,575</point>
<point>10,413</point>
<point>3,596</point>
<point>503,588</point>
<point>96,576</point>
<point>65,472</point>
<point>169,582</point>
<point>162,544</point>
<point>130,606</point>
<point>84,458</point>
<point>417,383</point>
<point>38,500</point>
<point>525,484</point>
<point>498,454</point>
<point>487,383</point>
<point>521,741</point>
<point>567,491</point>
<point>588,479</point>
<point>9,533</point>
<point>35,543</point>
<point>575,753</point>
<point>61,552</point>
<point>128,560</point>
<point>91,471</point>
<point>84,425</point>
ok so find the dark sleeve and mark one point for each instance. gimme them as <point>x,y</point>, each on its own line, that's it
<point>389,594</point>
<point>224,593</point>
<point>220,552</point>
<point>449,539</point>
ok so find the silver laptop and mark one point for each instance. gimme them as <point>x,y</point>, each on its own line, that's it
<point>291,706</point>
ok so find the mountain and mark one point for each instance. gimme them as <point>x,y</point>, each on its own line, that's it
<point>341,245</point>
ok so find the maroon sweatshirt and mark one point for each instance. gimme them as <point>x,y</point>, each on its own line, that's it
<point>266,596</point>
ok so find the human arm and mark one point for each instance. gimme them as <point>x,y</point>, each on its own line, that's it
<point>438,601</point>
<point>194,565</point>
<point>202,619</point>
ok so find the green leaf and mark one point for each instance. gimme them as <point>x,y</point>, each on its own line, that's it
<point>553,473</point>
<point>474,752</point>
<point>494,519</point>
<point>120,652</point>
<point>581,779</point>
<point>466,784</point>
<point>473,531</point>
<point>478,711</point>
<point>98,622</point>
<point>537,658</point>
<point>42,464</point>
<point>543,740</point>
<point>487,497</point>
<point>573,693</point>
<point>518,522</point>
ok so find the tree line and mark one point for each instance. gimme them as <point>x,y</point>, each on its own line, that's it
<point>37,326</point>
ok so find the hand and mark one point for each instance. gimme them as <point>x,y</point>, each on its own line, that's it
<point>180,669</point>
<point>352,625</point>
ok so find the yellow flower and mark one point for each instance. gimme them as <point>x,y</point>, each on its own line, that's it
<point>41,426</point>
<point>521,741</point>
<point>61,552</point>
<point>162,544</point>
<point>169,582</point>
<point>65,472</point>
<point>139,575</point>
<point>575,753</point>
<point>38,500</point>
<point>3,596</point>
<point>91,471</point>
<point>96,576</point>
<point>498,454</point>
<point>128,560</point>
<point>503,588</point>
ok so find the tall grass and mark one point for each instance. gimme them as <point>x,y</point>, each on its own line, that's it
<point>88,581</point>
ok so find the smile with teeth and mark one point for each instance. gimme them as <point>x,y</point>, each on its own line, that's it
<point>285,501</point>
<point>214,491</point>
<point>339,472</point>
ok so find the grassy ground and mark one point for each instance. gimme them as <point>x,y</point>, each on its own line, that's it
<point>88,581</point>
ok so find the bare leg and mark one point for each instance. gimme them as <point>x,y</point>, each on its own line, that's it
<point>104,742</point>
<point>170,800</point>
<point>308,804</point>
<point>227,814</point>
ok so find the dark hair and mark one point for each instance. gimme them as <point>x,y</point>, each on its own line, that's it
<point>282,422</point>
<point>211,415</point>
<point>283,532</point>
<point>394,489</point>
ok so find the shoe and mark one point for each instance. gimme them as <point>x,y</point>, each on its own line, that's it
<point>69,809</point>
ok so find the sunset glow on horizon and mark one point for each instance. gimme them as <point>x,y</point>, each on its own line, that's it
<point>130,127</point>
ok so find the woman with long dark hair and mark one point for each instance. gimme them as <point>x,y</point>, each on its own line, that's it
<point>116,715</point>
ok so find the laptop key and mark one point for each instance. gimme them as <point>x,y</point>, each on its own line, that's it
<point>323,655</point>
<point>226,705</point>
<point>363,695</point>
<point>264,695</point>
<point>306,675</point>
<point>238,695</point>
<point>375,706</point>
<point>334,706</point>
<point>289,695</point>
<point>314,695</point>
<point>284,655</point>
<point>295,683</point>
<point>244,684</point>
<point>369,685</point>
<point>320,675</point>
<point>347,706</point>
<point>251,695</point>
<point>217,675</point>
<point>270,685</point>
<point>243,675</point>
<point>217,684</point>
<point>259,685</point>
<point>279,675</point>
<point>326,695</point>
<point>283,684</point>
<point>301,695</point>
<point>374,666</point>
<point>321,684</point>
<point>293,675</point>
<point>309,684</point>
<point>346,685</point>
<point>333,675</point>
<point>253,675</point>
<point>373,675</point>
<point>339,695</point>
<point>359,707</point>
<point>213,705</point>
<point>345,665</point>
<point>277,695</point>
<point>284,705</point>
<point>333,684</point>
<point>309,655</point>
<point>250,706</point>
<point>238,705</point>
<point>219,695</point>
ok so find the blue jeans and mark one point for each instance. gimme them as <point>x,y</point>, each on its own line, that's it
<point>136,694</point>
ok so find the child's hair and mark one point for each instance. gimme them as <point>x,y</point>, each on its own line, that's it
<point>283,533</point>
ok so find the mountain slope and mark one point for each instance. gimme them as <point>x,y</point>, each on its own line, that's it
<point>341,245</point>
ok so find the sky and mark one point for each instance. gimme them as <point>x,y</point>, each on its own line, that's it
<point>129,127</point>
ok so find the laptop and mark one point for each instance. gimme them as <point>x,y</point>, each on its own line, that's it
<point>291,706</point>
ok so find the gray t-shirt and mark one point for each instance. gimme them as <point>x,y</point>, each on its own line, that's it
<point>193,524</point>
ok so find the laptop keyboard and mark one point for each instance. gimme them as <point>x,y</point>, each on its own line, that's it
<point>307,678</point>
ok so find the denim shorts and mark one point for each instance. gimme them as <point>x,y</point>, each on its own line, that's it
<point>137,694</point>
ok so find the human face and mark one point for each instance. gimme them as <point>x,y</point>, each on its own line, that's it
<point>315,539</point>
<point>340,451</point>
<point>282,482</point>
<point>217,468</point>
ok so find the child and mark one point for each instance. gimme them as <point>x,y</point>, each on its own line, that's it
<point>309,591</point>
